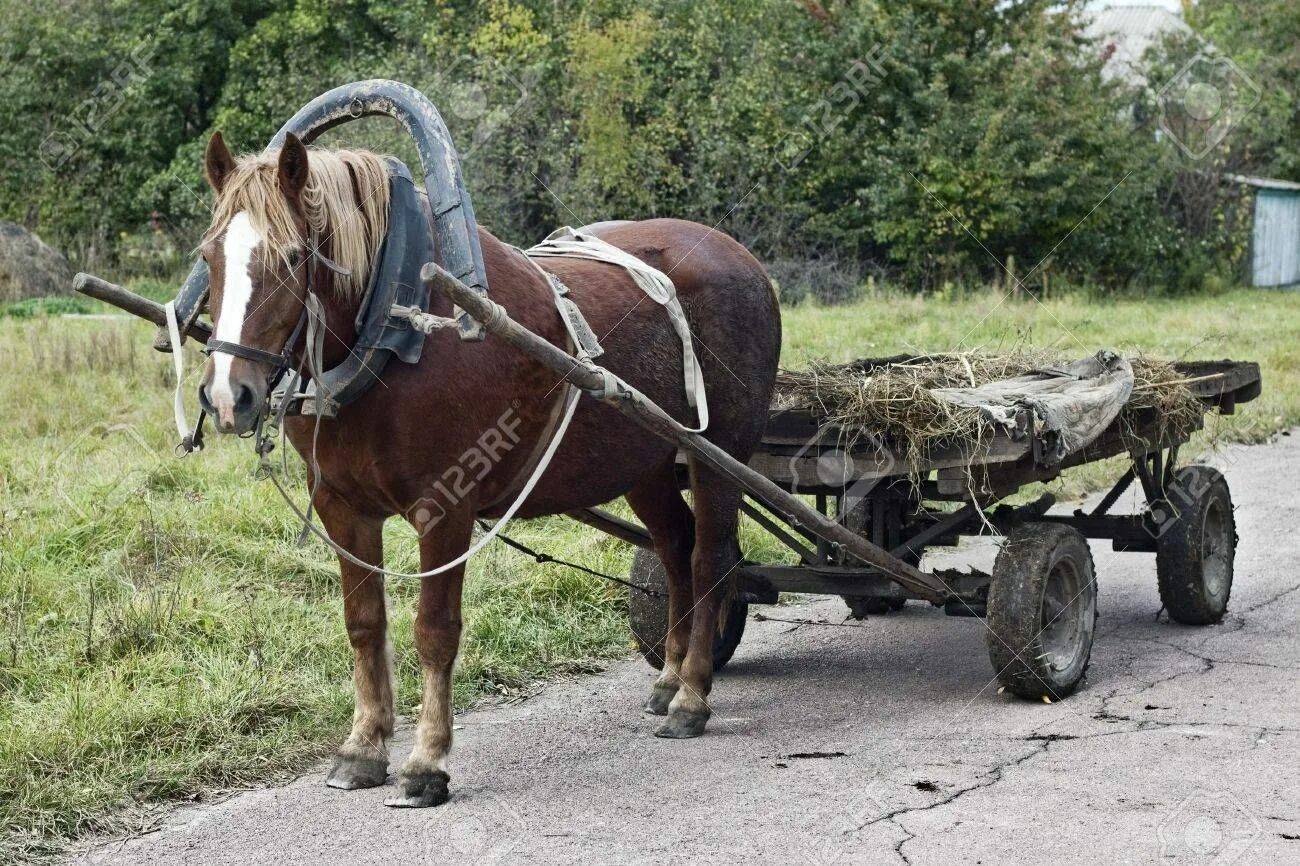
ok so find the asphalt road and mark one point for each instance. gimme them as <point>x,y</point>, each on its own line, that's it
<point>884,741</point>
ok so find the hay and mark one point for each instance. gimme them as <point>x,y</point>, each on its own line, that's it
<point>890,404</point>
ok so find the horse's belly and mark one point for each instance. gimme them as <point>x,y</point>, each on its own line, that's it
<point>603,455</point>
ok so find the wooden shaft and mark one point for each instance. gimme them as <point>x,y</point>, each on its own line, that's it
<point>128,301</point>
<point>641,409</point>
<point>614,525</point>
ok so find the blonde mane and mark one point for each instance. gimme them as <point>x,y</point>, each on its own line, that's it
<point>336,181</point>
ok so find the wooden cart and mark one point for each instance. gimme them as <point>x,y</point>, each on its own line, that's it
<point>1040,599</point>
<point>874,514</point>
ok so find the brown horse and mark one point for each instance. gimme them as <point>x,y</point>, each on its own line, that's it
<point>389,451</point>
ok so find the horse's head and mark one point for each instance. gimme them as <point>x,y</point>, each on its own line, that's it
<point>277,218</point>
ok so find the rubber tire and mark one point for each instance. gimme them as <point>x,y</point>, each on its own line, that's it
<point>1020,573</point>
<point>648,615</point>
<point>1180,566</point>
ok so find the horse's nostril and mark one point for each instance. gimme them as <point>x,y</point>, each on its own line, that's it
<point>244,398</point>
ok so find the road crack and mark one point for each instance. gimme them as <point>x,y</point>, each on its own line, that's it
<point>989,778</point>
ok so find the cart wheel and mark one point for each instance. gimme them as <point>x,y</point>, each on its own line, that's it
<point>648,614</point>
<point>1042,610</point>
<point>1195,552</point>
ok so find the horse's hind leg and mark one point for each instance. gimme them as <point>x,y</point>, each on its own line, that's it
<point>659,505</point>
<point>362,761</point>
<point>717,505</point>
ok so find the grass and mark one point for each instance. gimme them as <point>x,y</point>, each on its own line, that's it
<point>161,635</point>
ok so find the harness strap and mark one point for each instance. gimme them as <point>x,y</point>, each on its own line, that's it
<point>581,340</point>
<point>190,441</point>
<point>570,243</point>
<point>248,353</point>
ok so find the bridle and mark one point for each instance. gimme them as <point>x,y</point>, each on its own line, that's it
<point>311,321</point>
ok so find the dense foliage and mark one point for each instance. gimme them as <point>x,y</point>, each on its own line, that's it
<point>932,141</point>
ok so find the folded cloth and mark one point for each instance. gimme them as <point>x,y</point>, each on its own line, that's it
<point>1076,402</point>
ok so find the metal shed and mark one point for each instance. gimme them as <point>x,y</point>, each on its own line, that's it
<point>1275,232</point>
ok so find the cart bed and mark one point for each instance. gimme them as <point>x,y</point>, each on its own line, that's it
<point>803,453</point>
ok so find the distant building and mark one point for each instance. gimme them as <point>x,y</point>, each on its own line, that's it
<point>1126,32</point>
<point>1275,231</point>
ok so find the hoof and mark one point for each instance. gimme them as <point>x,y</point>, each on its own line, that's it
<point>683,725</point>
<point>660,698</point>
<point>421,792</point>
<point>350,774</point>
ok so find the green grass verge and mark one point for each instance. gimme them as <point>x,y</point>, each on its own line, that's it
<point>160,634</point>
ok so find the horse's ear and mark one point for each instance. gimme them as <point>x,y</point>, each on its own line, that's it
<point>217,162</point>
<point>293,167</point>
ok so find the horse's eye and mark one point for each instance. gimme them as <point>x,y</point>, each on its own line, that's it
<point>295,259</point>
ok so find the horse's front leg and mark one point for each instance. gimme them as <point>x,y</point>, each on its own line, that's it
<point>424,778</point>
<point>362,761</point>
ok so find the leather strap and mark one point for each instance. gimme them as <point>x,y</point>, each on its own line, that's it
<point>560,406</point>
<point>248,353</point>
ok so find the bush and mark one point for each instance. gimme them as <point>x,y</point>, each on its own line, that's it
<point>933,140</point>
<point>38,307</point>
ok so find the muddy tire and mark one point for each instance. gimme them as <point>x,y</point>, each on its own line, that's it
<point>1195,553</point>
<point>1042,611</point>
<point>648,614</point>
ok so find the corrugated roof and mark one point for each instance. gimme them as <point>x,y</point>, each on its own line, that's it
<point>1132,30</point>
<point>1264,182</point>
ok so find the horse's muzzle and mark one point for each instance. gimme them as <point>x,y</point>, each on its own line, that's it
<point>237,413</point>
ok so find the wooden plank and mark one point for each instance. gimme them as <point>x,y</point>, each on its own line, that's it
<point>612,524</point>
<point>837,580</point>
<point>127,300</point>
<point>779,532</point>
<point>832,467</point>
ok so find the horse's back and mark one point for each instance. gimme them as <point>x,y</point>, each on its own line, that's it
<point>695,256</point>
<point>732,310</point>
<point>735,325</point>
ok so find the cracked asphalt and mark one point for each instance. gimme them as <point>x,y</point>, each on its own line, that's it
<point>882,741</point>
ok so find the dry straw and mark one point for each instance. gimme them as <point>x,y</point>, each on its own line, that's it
<point>891,399</point>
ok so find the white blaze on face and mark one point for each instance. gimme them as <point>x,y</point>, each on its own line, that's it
<point>241,242</point>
